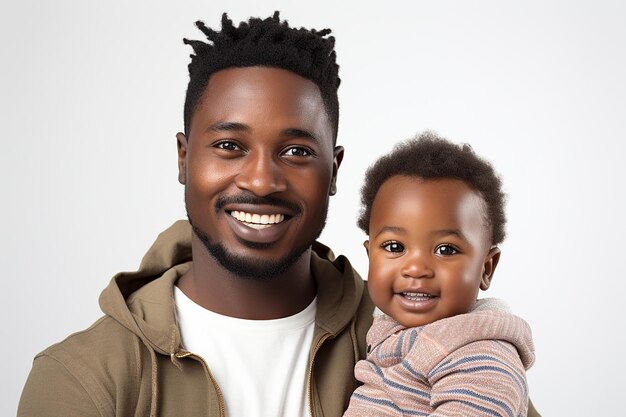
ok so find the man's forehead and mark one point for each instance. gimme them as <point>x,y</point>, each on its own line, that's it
<point>239,95</point>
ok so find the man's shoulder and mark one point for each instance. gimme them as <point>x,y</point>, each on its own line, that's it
<point>85,373</point>
<point>93,347</point>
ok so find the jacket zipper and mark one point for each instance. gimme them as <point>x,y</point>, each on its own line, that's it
<point>310,377</point>
<point>220,397</point>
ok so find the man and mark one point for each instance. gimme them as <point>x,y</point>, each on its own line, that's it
<point>264,321</point>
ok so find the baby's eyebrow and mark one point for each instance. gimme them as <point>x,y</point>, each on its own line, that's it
<point>447,232</point>
<point>392,229</point>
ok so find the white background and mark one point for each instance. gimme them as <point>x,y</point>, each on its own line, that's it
<point>92,95</point>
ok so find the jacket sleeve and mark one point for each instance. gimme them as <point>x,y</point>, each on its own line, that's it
<point>52,391</point>
<point>485,377</point>
<point>532,412</point>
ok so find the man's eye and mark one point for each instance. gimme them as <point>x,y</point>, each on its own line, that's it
<point>228,146</point>
<point>297,151</point>
<point>446,250</point>
<point>395,247</point>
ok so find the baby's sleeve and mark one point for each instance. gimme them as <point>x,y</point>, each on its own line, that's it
<point>371,398</point>
<point>484,377</point>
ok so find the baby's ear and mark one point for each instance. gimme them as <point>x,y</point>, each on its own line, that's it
<point>489,267</point>
<point>366,245</point>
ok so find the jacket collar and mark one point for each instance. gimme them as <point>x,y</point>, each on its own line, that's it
<point>143,301</point>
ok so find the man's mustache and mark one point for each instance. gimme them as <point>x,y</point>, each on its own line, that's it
<point>247,198</point>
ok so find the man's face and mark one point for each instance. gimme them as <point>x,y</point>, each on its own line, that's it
<point>429,249</point>
<point>258,168</point>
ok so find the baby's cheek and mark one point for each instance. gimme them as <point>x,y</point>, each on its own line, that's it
<point>377,288</point>
<point>466,293</point>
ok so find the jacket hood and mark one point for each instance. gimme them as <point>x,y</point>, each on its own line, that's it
<point>489,319</point>
<point>143,301</point>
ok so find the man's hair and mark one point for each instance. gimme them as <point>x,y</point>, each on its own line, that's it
<point>264,42</point>
<point>431,157</point>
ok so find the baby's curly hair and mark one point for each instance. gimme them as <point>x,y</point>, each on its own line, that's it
<point>430,156</point>
<point>264,42</point>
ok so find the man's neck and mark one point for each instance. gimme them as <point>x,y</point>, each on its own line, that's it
<point>213,287</point>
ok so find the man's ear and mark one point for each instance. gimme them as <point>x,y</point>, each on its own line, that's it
<point>489,267</point>
<point>181,143</point>
<point>366,245</point>
<point>337,158</point>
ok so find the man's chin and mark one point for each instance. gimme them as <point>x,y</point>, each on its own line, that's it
<point>246,267</point>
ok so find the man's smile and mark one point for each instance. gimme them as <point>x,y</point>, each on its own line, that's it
<point>257,221</point>
<point>258,224</point>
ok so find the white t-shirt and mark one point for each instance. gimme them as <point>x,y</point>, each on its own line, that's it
<point>261,366</point>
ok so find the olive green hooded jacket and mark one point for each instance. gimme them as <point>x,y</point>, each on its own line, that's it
<point>131,361</point>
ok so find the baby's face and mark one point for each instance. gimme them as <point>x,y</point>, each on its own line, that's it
<point>429,249</point>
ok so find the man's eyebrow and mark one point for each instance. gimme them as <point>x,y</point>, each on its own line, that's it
<point>300,133</point>
<point>241,127</point>
<point>392,229</point>
<point>228,126</point>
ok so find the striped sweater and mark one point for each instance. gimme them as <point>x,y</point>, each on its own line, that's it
<point>468,365</point>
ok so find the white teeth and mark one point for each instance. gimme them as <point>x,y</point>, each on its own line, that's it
<point>416,295</point>
<point>257,221</point>
<point>258,226</point>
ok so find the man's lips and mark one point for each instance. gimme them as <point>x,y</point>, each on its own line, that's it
<point>259,224</point>
<point>262,220</point>
<point>256,220</point>
<point>248,202</point>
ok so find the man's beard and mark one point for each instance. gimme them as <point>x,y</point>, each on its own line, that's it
<point>257,269</point>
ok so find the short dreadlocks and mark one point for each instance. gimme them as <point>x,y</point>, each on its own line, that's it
<point>430,157</point>
<point>264,42</point>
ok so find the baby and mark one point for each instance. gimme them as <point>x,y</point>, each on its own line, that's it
<point>434,213</point>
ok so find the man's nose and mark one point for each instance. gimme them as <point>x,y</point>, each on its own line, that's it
<point>417,264</point>
<point>261,175</point>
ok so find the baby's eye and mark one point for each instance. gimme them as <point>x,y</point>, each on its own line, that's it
<point>446,250</point>
<point>393,247</point>
<point>297,151</point>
